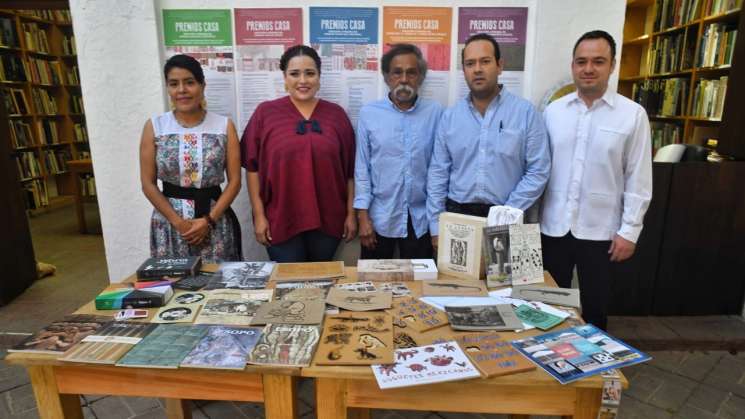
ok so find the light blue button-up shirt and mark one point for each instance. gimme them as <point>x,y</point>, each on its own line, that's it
<point>394,148</point>
<point>500,158</point>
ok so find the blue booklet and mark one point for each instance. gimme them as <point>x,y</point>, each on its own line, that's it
<point>578,352</point>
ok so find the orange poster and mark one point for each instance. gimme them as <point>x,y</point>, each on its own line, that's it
<point>430,29</point>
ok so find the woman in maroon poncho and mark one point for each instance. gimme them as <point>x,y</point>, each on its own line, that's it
<point>298,151</point>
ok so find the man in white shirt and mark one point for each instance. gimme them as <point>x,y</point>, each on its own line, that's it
<point>601,177</point>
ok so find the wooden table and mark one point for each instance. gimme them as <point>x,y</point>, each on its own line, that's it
<point>348,391</point>
<point>78,167</point>
<point>57,385</point>
<point>341,391</point>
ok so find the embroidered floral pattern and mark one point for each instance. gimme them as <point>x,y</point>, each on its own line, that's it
<point>188,160</point>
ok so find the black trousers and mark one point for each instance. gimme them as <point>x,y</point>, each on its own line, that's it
<point>409,247</point>
<point>561,254</point>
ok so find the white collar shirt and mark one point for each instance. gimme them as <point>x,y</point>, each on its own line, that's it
<point>601,168</point>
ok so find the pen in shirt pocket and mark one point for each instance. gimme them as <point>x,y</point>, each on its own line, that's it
<point>500,126</point>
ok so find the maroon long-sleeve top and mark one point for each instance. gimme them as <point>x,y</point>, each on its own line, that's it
<point>303,177</point>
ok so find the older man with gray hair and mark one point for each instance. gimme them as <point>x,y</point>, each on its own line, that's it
<point>395,137</point>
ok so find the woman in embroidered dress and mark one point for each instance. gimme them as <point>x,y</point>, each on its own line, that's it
<point>298,152</point>
<point>190,151</point>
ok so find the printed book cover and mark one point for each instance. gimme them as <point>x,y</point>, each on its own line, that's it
<point>129,296</point>
<point>425,365</point>
<point>232,307</point>
<point>164,347</point>
<point>459,245</point>
<point>109,344</point>
<point>59,336</point>
<point>578,352</point>
<point>283,288</point>
<point>241,275</point>
<point>286,345</point>
<point>496,246</point>
<point>486,317</point>
<point>526,260</point>
<point>290,312</point>
<point>157,268</point>
<point>183,308</point>
<point>223,347</point>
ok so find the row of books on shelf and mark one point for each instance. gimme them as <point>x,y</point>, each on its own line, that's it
<point>87,181</point>
<point>662,97</point>
<point>56,161</point>
<point>708,98</point>
<point>56,15</point>
<point>29,167</point>
<point>668,97</point>
<point>44,71</point>
<point>81,134</point>
<point>68,45</point>
<point>15,102</point>
<point>41,71</point>
<point>717,45</point>
<point>35,37</point>
<point>21,135</point>
<point>671,13</point>
<point>36,194</point>
<point>76,104</point>
<point>664,133</point>
<point>671,53</point>
<point>43,101</point>
<point>718,7</point>
<point>27,164</point>
<point>12,68</point>
<point>8,36</point>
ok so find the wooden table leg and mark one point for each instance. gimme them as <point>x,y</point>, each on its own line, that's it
<point>77,194</point>
<point>587,404</point>
<point>178,409</point>
<point>280,396</point>
<point>50,403</point>
<point>331,400</point>
<point>358,413</point>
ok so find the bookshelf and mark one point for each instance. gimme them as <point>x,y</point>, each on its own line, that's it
<point>676,61</point>
<point>42,97</point>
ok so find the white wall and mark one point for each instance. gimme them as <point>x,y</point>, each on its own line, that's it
<point>119,65</point>
<point>120,56</point>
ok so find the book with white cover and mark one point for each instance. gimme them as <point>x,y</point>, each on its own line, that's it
<point>424,269</point>
<point>459,245</point>
<point>429,364</point>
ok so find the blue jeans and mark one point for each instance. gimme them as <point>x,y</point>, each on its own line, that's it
<point>308,246</point>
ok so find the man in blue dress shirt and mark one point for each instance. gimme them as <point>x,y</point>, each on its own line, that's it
<point>395,137</point>
<point>491,147</point>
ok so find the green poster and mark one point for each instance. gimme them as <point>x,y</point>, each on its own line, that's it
<point>197,27</point>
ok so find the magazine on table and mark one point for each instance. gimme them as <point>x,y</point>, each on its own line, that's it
<point>578,352</point>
